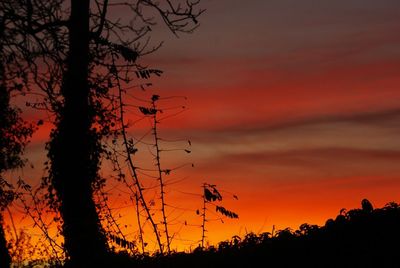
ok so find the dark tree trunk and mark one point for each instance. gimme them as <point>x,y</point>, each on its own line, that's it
<point>5,258</point>
<point>74,151</point>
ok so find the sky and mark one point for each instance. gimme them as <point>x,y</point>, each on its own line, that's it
<point>293,106</point>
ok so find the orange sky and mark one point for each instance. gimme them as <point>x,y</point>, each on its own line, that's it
<point>294,107</point>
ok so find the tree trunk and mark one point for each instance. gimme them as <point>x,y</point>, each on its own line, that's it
<point>5,258</point>
<point>74,151</point>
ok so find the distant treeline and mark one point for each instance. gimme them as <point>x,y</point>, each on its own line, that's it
<point>364,237</point>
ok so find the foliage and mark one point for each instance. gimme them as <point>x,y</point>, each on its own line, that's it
<point>74,57</point>
<point>210,195</point>
<point>358,238</point>
<point>226,212</point>
<point>14,135</point>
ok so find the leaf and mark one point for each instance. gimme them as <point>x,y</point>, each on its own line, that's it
<point>127,53</point>
<point>4,183</point>
<point>227,213</point>
<point>147,111</point>
<point>146,73</point>
<point>132,150</point>
<point>122,242</point>
<point>211,194</point>
<point>216,193</point>
<point>156,72</point>
<point>208,195</point>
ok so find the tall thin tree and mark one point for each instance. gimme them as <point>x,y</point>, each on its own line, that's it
<point>74,149</point>
<point>65,47</point>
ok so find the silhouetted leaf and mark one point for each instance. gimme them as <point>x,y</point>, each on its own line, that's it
<point>227,213</point>
<point>127,53</point>
<point>148,111</point>
<point>216,193</point>
<point>132,150</point>
<point>146,73</point>
<point>208,195</point>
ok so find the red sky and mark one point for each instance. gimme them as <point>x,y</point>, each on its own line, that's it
<point>292,105</point>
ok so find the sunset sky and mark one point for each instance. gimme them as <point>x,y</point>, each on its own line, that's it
<point>294,106</point>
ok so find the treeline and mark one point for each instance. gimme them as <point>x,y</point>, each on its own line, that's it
<point>364,237</point>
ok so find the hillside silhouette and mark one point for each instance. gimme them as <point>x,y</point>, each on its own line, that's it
<point>364,237</point>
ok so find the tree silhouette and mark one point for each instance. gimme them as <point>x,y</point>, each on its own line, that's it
<point>74,149</point>
<point>67,50</point>
<point>14,133</point>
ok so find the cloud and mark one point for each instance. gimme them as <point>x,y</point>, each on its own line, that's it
<point>315,158</point>
<point>316,148</point>
<point>367,124</point>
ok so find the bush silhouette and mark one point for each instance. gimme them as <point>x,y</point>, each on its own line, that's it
<point>363,237</point>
